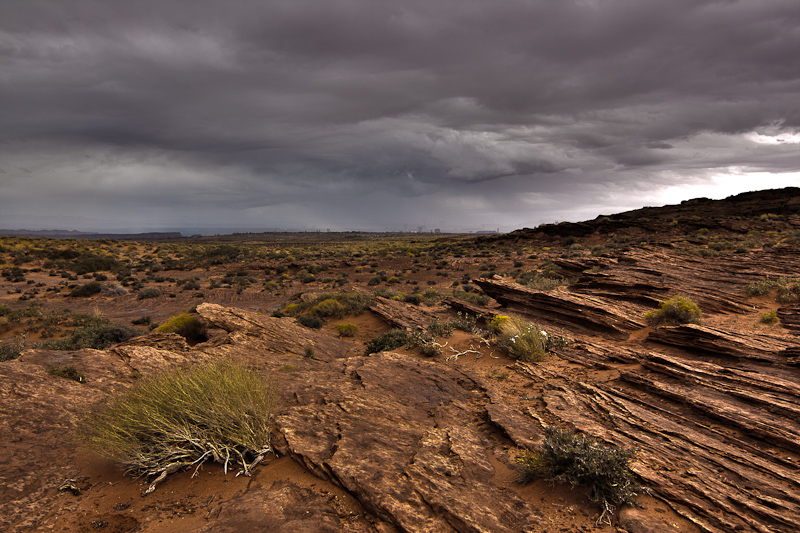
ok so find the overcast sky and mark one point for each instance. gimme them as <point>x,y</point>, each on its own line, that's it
<point>134,115</point>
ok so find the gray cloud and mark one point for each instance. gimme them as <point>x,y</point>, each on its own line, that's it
<point>363,114</point>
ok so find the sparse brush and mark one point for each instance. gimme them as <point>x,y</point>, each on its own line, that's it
<point>788,288</point>
<point>440,328</point>
<point>388,341</point>
<point>219,411</point>
<point>97,333</point>
<point>471,297</point>
<point>522,340</point>
<point>426,345</point>
<point>579,460</point>
<point>347,330</point>
<point>151,292</point>
<point>770,318</point>
<point>310,321</point>
<point>535,280</point>
<point>88,289</point>
<point>187,326</point>
<point>675,311</point>
<point>328,307</point>
<point>67,372</point>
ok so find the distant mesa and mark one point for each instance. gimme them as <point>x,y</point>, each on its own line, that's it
<point>73,234</point>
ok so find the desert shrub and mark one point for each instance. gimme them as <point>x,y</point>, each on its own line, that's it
<point>328,307</point>
<point>770,317</point>
<point>496,323</point>
<point>187,326</point>
<point>465,322</point>
<point>522,340</point>
<point>440,328</point>
<point>677,310</point>
<point>347,330</point>
<point>219,411</point>
<point>143,321</point>
<point>67,372</point>
<point>88,289</point>
<point>579,460</point>
<point>9,351</point>
<point>113,290</point>
<point>760,287</point>
<point>97,334</point>
<point>374,280</point>
<point>292,309</point>
<point>426,345</point>
<point>413,299</point>
<point>191,285</point>
<point>535,280</point>
<point>310,321</point>
<point>471,297</point>
<point>151,292</point>
<point>333,304</point>
<point>388,341</point>
<point>87,263</point>
<point>431,297</point>
<point>788,288</point>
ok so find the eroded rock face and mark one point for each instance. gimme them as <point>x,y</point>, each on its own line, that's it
<point>420,443</point>
<point>404,436</point>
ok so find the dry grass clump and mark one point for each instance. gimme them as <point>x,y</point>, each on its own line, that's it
<point>522,340</point>
<point>220,411</point>
<point>579,460</point>
<point>675,311</point>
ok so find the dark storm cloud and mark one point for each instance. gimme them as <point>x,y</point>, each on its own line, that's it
<point>369,113</point>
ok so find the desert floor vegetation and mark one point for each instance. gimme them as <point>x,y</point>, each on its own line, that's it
<point>675,311</point>
<point>567,457</point>
<point>220,411</point>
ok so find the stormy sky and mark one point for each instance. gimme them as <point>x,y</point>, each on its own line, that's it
<point>136,115</point>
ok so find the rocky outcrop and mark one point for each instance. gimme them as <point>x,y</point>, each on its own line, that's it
<point>420,443</point>
<point>401,316</point>
<point>562,309</point>
<point>716,342</point>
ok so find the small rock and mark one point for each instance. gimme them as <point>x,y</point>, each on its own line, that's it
<point>642,521</point>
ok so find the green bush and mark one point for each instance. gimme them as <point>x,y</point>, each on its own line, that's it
<point>88,289</point>
<point>219,411</point>
<point>471,297</point>
<point>770,317</point>
<point>440,328</point>
<point>426,345</point>
<point>347,330</point>
<point>788,288</point>
<point>310,321</point>
<point>332,304</point>
<point>535,280</point>
<point>496,323</point>
<point>67,372</point>
<point>328,307</point>
<point>187,326</point>
<point>677,310</point>
<point>388,341</point>
<point>97,333</point>
<point>9,351</point>
<point>578,460</point>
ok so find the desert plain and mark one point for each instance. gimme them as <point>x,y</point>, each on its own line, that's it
<point>422,436</point>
